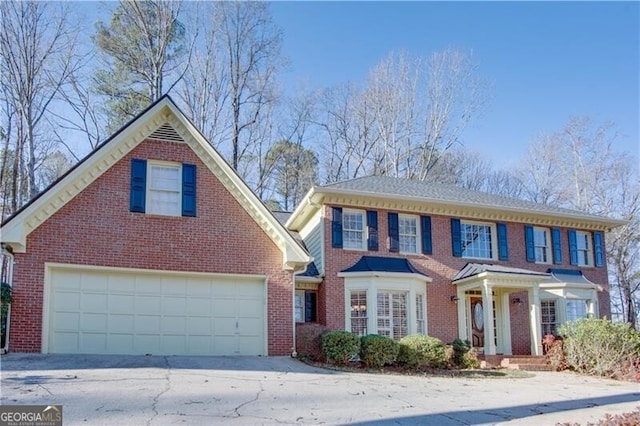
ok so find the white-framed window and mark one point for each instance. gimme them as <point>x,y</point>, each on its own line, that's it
<point>359,312</point>
<point>392,314</point>
<point>576,309</point>
<point>353,229</point>
<point>542,242</point>
<point>164,188</point>
<point>585,248</point>
<point>420,321</point>
<point>408,231</point>
<point>478,240</point>
<point>299,305</point>
<point>549,318</point>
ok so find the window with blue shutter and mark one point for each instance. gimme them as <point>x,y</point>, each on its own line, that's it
<point>372,227</point>
<point>336,227</point>
<point>556,241</point>
<point>503,244</point>
<point>598,247</point>
<point>394,233</point>
<point>573,247</point>
<point>425,228</point>
<point>456,238</point>
<point>188,190</point>
<point>138,187</point>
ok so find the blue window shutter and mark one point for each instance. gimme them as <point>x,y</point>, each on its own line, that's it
<point>598,247</point>
<point>425,226</point>
<point>309,306</point>
<point>530,243</point>
<point>138,188</point>
<point>394,233</point>
<point>556,241</point>
<point>456,238</point>
<point>372,225</point>
<point>503,244</point>
<point>573,247</point>
<point>336,228</point>
<point>189,190</point>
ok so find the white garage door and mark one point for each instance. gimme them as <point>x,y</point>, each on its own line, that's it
<point>110,312</point>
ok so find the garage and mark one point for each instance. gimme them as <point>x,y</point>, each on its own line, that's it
<point>111,311</point>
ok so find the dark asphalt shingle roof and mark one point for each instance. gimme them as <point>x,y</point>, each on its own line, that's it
<point>471,269</point>
<point>398,187</point>
<point>383,264</point>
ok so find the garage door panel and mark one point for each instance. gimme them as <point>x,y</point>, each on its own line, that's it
<point>148,304</point>
<point>174,305</point>
<point>123,323</point>
<point>66,301</point>
<point>121,303</point>
<point>106,311</point>
<point>92,302</point>
<point>93,322</point>
<point>93,343</point>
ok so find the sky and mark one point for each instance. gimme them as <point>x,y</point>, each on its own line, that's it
<point>545,61</point>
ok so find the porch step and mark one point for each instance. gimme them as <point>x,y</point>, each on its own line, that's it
<point>519,362</point>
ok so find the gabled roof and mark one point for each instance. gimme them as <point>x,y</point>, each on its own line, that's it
<point>473,269</point>
<point>449,200</point>
<point>163,120</point>
<point>379,264</point>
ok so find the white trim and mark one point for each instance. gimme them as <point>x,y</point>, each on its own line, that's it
<point>363,242</point>
<point>395,275</point>
<point>494,238</point>
<point>151,164</point>
<point>418,233</point>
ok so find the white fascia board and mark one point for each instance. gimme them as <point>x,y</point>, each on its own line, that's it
<point>370,274</point>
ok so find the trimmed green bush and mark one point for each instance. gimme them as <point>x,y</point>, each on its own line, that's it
<point>419,350</point>
<point>377,351</point>
<point>600,347</point>
<point>464,356</point>
<point>339,346</point>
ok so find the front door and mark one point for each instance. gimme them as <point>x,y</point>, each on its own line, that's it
<point>477,322</point>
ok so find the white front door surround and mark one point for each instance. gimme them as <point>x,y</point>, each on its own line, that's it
<point>496,289</point>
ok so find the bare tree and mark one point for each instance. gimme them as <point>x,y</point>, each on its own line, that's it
<point>143,49</point>
<point>578,167</point>
<point>36,59</point>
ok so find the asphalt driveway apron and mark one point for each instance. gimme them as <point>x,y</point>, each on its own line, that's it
<point>155,390</point>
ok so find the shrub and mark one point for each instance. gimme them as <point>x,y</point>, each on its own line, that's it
<point>420,350</point>
<point>554,351</point>
<point>378,351</point>
<point>339,347</point>
<point>308,341</point>
<point>463,354</point>
<point>600,347</point>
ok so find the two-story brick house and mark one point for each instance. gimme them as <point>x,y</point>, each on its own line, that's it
<point>399,257</point>
<point>152,244</point>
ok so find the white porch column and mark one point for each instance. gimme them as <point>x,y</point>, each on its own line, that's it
<point>463,331</point>
<point>487,313</point>
<point>505,317</point>
<point>535,321</point>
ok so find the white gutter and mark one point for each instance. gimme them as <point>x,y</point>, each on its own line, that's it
<point>9,274</point>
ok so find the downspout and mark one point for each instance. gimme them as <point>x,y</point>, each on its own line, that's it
<point>8,273</point>
<point>294,352</point>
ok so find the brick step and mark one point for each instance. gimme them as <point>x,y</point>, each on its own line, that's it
<point>521,362</point>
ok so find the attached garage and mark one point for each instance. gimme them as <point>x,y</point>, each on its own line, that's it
<point>111,311</point>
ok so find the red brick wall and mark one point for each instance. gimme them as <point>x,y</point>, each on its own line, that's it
<point>442,314</point>
<point>97,228</point>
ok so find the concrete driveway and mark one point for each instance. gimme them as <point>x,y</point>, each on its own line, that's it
<point>128,390</point>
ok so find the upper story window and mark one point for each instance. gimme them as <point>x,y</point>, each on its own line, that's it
<point>542,242</point>
<point>163,188</point>
<point>477,240</point>
<point>585,251</point>
<point>408,232</point>
<point>353,229</point>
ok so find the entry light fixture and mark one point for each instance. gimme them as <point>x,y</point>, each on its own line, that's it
<point>517,301</point>
<point>454,298</point>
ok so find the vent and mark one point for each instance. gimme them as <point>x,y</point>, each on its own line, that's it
<point>166,133</point>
